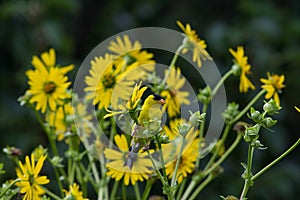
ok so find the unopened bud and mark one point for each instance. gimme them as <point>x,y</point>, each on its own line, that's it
<point>204,95</point>
<point>183,129</point>
<point>196,118</point>
<point>251,133</point>
<point>236,69</point>
<point>269,122</point>
<point>164,139</point>
<point>271,107</point>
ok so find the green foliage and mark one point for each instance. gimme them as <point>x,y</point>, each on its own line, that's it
<point>271,30</point>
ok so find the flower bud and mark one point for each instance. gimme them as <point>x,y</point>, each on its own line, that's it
<point>271,107</point>
<point>196,118</point>
<point>164,139</point>
<point>56,161</point>
<point>12,151</point>
<point>24,100</point>
<point>251,133</point>
<point>255,115</point>
<point>39,151</point>
<point>236,69</point>
<point>258,145</point>
<point>230,198</point>
<point>183,129</point>
<point>231,112</point>
<point>269,122</point>
<point>204,95</point>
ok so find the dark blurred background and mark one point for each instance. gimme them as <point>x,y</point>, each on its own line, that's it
<point>269,30</point>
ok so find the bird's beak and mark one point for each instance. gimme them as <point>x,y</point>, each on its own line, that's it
<point>161,101</point>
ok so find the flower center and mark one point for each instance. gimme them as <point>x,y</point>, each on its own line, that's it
<point>49,87</point>
<point>108,81</point>
<point>129,59</point>
<point>172,93</point>
<point>31,179</point>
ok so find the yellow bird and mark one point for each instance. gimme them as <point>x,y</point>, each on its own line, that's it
<point>148,119</point>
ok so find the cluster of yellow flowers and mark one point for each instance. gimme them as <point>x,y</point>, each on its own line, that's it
<point>114,87</point>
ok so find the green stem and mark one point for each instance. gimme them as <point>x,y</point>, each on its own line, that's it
<point>71,171</point>
<point>112,132</point>
<point>100,193</point>
<point>221,82</point>
<point>276,160</point>
<point>247,107</point>
<point>191,186</point>
<point>80,178</point>
<point>114,190</point>
<point>88,176</point>
<point>49,136</point>
<point>96,179</point>
<point>204,110</point>
<point>212,159</point>
<point>161,177</point>
<point>248,182</point>
<point>201,186</point>
<point>123,192</point>
<point>58,180</point>
<point>202,128</point>
<point>199,176</point>
<point>51,194</point>
<point>105,179</point>
<point>137,191</point>
<point>181,188</point>
<point>225,155</point>
<point>174,177</point>
<point>9,186</point>
<point>71,164</point>
<point>40,121</point>
<point>94,169</point>
<point>147,189</point>
<point>51,140</point>
<point>161,155</point>
<point>172,64</point>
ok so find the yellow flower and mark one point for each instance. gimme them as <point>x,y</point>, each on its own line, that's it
<point>74,193</point>
<point>273,86</point>
<point>241,61</point>
<point>297,109</point>
<point>195,44</point>
<point>30,181</point>
<point>187,162</point>
<point>140,170</point>
<point>107,82</point>
<point>47,61</point>
<point>48,89</point>
<point>131,52</point>
<point>174,96</point>
<point>112,76</point>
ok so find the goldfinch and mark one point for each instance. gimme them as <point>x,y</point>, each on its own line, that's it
<point>148,119</point>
